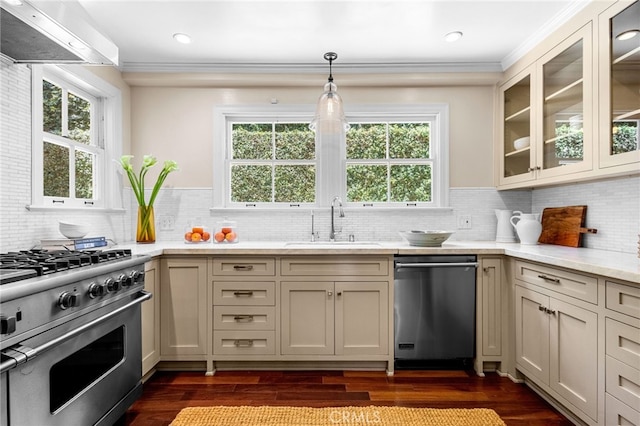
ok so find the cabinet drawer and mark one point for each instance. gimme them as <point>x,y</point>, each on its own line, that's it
<point>618,413</point>
<point>244,318</point>
<point>623,342</point>
<point>244,266</point>
<point>623,382</point>
<point>244,343</point>
<point>583,287</point>
<point>335,265</point>
<point>623,298</point>
<point>236,293</point>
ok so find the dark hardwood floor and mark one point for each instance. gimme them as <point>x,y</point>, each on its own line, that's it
<point>166,393</point>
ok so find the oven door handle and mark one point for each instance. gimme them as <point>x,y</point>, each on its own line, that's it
<point>437,265</point>
<point>29,353</point>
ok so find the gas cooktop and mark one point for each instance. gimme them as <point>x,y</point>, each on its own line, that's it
<point>24,264</point>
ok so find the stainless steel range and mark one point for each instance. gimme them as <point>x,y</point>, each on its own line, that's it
<point>70,336</point>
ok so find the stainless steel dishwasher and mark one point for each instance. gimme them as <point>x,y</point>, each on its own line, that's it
<point>435,311</point>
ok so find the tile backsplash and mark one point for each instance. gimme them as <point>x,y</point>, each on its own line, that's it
<point>613,205</point>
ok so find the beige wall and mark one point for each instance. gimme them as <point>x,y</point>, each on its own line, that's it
<point>173,122</point>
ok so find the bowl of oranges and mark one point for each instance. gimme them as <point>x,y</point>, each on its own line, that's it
<point>226,232</point>
<point>197,234</point>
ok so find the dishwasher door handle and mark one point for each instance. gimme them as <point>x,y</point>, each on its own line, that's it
<point>436,265</point>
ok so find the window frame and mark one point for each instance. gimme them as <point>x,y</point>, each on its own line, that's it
<point>106,116</point>
<point>331,163</point>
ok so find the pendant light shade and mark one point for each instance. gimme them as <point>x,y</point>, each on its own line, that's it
<point>329,116</point>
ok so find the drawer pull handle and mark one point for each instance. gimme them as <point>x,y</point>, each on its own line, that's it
<point>243,318</point>
<point>550,279</point>
<point>243,267</point>
<point>542,308</point>
<point>248,293</point>
<point>243,343</point>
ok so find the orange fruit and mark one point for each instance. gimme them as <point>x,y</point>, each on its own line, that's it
<point>198,229</point>
<point>219,237</point>
<point>196,236</point>
<point>231,236</point>
<point>226,230</point>
<point>206,236</point>
<point>187,236</point>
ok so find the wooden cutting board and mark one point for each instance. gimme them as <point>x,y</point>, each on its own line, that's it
<point>564,226</point>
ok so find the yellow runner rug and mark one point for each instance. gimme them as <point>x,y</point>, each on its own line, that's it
<point>339,416</point>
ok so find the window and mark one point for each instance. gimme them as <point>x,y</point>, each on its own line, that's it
<point>393,156</point>
<point>75,117</point>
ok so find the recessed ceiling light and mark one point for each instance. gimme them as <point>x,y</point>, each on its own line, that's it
<point>453,36</point>
<point>628,34</point>
<point>182,38</point>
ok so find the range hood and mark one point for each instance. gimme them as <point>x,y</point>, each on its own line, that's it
<point>53,32</point>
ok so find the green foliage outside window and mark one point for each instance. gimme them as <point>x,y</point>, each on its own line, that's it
<point>56,170</point>
<point>275,163</point>
<point>625,137</point>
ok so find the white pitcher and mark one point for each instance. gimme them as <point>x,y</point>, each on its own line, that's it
<point>528,227</point>
<point>504,230</point>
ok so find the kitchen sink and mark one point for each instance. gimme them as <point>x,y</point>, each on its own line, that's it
<point>330,243</point>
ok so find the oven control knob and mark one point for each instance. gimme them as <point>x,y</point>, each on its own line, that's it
<point>123,280</point>
<point>96,290</point>
<point>112,285</point>
<point>134,276</point>
<point>7,324</point>
<point>68,300</point>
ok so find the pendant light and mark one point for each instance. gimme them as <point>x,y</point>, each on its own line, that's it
<point>329,116</point>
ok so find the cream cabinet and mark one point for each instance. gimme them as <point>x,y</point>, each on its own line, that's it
<point>183,319</point>
<point>151,317</point>
<point>335,318</point>
<point>551,103</point>
<point>619,82</point>
<point>491,313</point>
<point>557,338</point>
<point>336,308</point>
<point>622,348</point>
<point>244,308</point>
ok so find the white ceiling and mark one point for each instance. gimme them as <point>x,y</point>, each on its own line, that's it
<point>368,36</point>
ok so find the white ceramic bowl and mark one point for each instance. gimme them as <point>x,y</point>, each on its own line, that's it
<point>522,142</point>
<point>426,238</point>
<point>73,230</point>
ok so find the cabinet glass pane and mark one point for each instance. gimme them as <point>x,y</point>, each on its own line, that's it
<point>517,125</point>
<point>563,108</point>
<point>625,80</point>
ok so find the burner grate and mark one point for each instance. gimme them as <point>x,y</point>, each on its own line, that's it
<point>45,262</point>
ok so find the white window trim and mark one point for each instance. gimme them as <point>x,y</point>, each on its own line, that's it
<point>328,168</point>
<point>108,196</point>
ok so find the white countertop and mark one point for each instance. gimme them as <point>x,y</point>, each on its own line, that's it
<point>623,266</point>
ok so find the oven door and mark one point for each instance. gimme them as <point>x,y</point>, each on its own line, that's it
<point>91,378</point>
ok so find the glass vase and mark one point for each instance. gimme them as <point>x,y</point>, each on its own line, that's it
<point>146,230</point>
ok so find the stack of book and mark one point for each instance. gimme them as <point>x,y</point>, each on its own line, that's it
<point>74,244</point>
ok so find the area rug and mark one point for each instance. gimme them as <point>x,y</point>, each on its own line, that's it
<point>340,416</point>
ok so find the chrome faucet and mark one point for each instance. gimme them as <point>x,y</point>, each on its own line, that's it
<point>332,234</point>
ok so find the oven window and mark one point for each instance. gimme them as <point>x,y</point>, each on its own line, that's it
<point>70,376</point>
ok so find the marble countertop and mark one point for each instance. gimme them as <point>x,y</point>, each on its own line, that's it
<point>617,265</point>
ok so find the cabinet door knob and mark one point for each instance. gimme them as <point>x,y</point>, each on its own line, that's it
<point>329,293</point>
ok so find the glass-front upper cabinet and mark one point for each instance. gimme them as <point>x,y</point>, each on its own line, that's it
<point>518,117</point>
<point>566,125</point>
<point>620,83</point>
